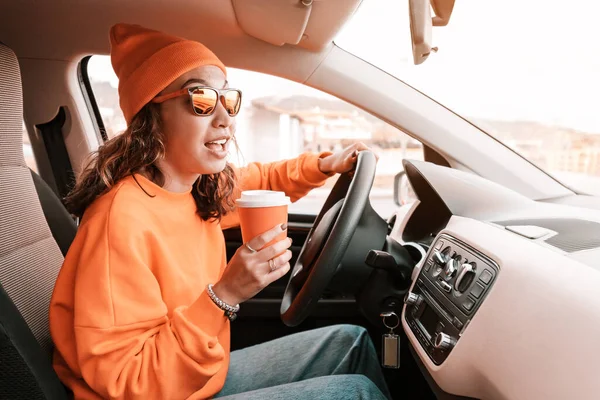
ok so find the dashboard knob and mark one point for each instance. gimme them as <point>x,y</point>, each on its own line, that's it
<point>413,299</point>
<point>440,258</point>
<point>465,277</point>
<point>444,341</point>
<point>450,269</point>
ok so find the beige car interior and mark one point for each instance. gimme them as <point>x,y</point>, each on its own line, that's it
<point>534,334</point>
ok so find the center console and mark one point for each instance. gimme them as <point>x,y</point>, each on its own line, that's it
<point>452,284</point>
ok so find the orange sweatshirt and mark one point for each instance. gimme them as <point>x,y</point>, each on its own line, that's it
<point>130,316</point>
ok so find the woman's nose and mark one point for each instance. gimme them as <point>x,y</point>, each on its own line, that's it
<point>222,119</point>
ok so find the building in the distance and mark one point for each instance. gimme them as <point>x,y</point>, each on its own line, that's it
<point>552,148</point>
<point>274,128</point>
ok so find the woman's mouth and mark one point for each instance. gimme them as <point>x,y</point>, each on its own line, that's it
<point>218,147</point>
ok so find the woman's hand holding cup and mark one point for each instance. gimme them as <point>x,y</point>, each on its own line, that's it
<point>254,266</point>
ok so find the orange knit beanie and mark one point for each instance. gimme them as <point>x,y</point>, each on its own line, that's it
<point>146,61</point>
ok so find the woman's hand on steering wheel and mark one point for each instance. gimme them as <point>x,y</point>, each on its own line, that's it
<point>344,160</point>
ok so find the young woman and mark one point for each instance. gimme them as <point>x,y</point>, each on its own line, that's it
<point>142,305</point>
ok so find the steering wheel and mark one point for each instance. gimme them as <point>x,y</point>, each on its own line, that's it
<point>328,240</point>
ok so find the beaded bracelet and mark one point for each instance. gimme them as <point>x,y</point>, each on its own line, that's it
<point>230,311</point>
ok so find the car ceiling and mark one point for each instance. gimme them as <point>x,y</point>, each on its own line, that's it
<point>69,29</point>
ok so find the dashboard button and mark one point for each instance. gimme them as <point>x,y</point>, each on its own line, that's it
<point>428,265</point>
<point>477,290</point>
<point>486,276</point>
<point>446,286</point>
<point>468,304</point>
<point>457,323</point>
<point>439,244</point>
<point>439,327</point>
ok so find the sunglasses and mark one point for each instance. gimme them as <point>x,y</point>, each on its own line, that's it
<point>204,99</point>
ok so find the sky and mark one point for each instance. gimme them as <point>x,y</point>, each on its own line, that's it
<point>511,60</point>
<point>534,60</point>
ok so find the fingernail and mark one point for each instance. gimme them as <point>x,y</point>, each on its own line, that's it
<point>284,226</point>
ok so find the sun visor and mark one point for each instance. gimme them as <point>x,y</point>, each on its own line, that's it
<point>311,24</point>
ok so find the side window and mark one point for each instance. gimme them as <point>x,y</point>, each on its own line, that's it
<point>28,151</point>
<point>104,84</point>
<point>281,119</point>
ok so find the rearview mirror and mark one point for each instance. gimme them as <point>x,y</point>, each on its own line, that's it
<point>420,29</point>
<point>421,23</point>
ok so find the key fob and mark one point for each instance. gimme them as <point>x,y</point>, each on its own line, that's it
<point>390,354</point>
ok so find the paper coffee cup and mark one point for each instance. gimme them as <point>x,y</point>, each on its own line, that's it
<point>261,210</point>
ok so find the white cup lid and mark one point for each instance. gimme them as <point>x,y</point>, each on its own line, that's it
<point>262,198</point>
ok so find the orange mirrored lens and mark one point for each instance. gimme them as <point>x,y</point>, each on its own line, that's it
<point>204,101</point>
<point>232,102</point>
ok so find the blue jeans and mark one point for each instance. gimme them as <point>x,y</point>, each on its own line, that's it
<point>337,362</point>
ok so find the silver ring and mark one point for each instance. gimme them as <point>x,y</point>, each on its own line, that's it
<point>272,265</point>
<point>390,314</point>
<point>250,248</point>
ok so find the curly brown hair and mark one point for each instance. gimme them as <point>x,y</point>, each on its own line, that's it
<point>137,150</point>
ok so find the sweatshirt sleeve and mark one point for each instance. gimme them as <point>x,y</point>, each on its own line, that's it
<point>295,177</point>
<point>128,346</point>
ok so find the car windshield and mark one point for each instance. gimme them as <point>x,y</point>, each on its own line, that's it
<point>524,71</point>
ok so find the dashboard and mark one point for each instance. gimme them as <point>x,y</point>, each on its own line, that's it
<point>505,304</point>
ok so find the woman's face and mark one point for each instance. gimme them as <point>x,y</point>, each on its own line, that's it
<point>189,139</point>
